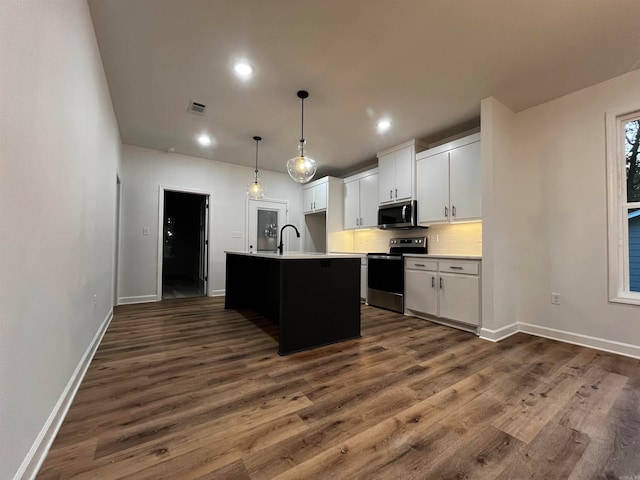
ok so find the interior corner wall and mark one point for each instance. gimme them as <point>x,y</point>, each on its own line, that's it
<point>59,154</point>
<point>145,170</point>
<point>561,151</point>
<point>500,221</point>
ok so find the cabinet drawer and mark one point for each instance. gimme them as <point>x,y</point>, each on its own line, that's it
<point>413,263</point>
<point>470,268</point>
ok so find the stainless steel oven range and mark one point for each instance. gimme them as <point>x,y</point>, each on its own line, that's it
<point>385,272</point>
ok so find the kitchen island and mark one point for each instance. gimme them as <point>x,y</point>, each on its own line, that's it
<point>313,297</point>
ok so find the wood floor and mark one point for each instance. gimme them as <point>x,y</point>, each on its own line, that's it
<point>184,389</point>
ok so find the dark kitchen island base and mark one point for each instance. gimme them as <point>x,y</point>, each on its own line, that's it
<point>315,299</point>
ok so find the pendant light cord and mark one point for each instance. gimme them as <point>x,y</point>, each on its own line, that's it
<point>257,139</point>
<point>302,130</point>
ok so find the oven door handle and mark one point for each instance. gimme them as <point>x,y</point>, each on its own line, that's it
<point>384,257</point>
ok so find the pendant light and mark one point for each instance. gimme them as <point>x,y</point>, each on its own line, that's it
<point>255,189</point>
<point>302,168</point>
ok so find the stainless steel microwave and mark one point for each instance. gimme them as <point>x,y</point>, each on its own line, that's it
<point>398,215</point>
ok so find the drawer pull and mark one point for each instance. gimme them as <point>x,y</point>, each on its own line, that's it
<point>418,264</point>
<point>454,267</point>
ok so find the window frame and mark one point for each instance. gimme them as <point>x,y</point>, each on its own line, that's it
<point>617,205</point>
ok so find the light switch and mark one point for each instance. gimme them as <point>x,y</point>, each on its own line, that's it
<point>145,230</point>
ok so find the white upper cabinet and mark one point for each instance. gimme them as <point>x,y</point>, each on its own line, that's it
<point>449,182</point>
<point>433,188</point>
<point>361,200</point>
<point>396,169</point>
<point>465,182</point>
<point>314,198</point>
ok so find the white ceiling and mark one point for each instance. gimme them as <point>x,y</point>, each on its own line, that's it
<point>426,64</point>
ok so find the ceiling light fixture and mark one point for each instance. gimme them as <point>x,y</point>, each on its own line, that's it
<point>302,168</point>
<point>204,140</point>
<point>256,190</point>
<point>384,125</point>
<point>243,68</point>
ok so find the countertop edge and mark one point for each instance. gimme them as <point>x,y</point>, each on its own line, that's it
<point>446,256</point>
<point>297,255</point>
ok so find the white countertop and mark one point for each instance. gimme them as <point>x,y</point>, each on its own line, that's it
<point>299,255</point>
<point>442,255</point>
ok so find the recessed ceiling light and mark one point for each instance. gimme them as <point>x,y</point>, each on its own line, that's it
<point>384,125</point>
<point>243,69</point>
<point>204,140</point>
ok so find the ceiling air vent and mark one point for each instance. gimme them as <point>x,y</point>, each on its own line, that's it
<point>197,108</point>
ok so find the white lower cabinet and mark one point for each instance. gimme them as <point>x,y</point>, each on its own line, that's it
<point>443,288</point>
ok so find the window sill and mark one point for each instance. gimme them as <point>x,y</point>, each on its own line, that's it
<point>629,298</point>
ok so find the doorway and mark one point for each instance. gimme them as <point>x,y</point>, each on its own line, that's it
<point>265,218</point>
<point>185,245</point>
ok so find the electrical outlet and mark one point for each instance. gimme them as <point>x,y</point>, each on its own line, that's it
<point>145,230</point>
<point>555,298</point>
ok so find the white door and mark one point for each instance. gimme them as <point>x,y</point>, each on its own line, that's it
<point>369,201</point>
<point>466,182</point>
<point>404,178</point>
<point>352,204</point>
<point>460,298</point>
<point>266,218</point>
<point>433,188</point>
<point>307,199</point>
<point>386,177</point>
<point>420,291</point>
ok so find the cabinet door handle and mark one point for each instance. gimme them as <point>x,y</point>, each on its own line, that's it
<point>360,221</point>
<point>446,212</point>
<point>441,283</point>
<point>357,221</point>
<point>453,210</point>
<point>391,194</point>
<point>455,267</point>
<point>433,281</point>
<point>396,193</point>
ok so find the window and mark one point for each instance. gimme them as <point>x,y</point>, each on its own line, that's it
<point>623,185</point>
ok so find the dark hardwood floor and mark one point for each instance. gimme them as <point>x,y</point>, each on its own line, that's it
<point>184,389</point>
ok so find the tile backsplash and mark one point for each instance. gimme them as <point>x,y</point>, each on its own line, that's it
<point>450,239</point>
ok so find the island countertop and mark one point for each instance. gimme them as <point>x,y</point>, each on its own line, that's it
<point>297,255</point>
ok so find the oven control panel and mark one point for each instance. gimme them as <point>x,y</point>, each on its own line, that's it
<point>407,242</point>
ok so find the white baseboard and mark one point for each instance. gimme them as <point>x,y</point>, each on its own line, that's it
<point>217,293</point>
<point>610,346</point>
<point>38,452</point>
<point>499,334</point>
<point>138,299</point>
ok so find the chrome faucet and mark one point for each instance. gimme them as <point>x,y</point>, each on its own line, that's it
<point>281,246</point>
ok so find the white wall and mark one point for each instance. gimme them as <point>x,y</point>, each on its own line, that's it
<point>557,242</point>
<point>59,153</point>
<point>561,145</point>
<point>144,170</point>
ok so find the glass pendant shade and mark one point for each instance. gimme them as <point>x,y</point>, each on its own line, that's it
<point>301,168</point>
<point>256,189</point>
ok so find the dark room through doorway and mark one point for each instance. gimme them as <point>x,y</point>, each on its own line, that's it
<point>185,245</point>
